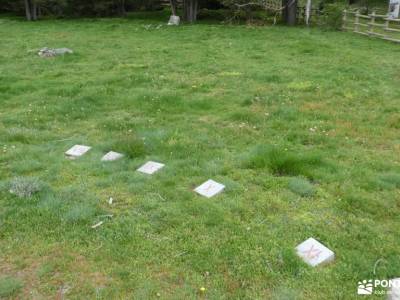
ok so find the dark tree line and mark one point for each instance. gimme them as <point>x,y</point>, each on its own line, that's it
<point>33,9</point>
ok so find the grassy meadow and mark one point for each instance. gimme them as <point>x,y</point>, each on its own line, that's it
<point>301,125</point>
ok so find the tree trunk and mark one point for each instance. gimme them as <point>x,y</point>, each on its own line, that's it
<point>308,12</point>
<point>173,7</point>
<point>190,10</point>
<point>28,10</point>
<point>289,12</point>
<point>121,8</point>
<point>34,10</point>
<point>31,10</point>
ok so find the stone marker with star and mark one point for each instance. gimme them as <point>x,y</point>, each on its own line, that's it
<point>150,167</point>
<point>314,253</point>
<point>209,188</point>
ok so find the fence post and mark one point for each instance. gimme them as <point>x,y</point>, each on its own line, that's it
<point>357,21</point>
<point>344,20</point>
<point>385,29</point>
<point>371,23</point>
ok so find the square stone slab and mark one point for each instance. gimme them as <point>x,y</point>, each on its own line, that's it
<point>111,156</point>
<point>209,188</point>
<point>174,20</point>
<point>314,253</point>
<point>150,167</point>
<point>394,290</point>
<point>77,151</point>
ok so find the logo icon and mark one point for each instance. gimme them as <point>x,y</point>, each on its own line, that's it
<point>365,287</point>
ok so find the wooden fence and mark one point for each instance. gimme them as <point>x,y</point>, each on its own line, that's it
<point>373,25</point>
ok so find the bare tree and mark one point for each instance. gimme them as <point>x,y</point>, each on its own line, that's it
<point>308,12</point>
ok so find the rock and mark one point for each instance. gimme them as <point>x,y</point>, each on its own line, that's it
<point>48,52</point>
<point>150,167</point>
<point>314,253</point>
<point>174,20</point>
<point>209,188</point>
<point>111,156</point>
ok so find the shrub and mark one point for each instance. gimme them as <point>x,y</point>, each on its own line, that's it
<point>25,187</point>
<point>9,286</point>
<point>301,187</point>
<point>332,16</point>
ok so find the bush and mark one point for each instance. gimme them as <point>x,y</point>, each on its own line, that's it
<point>73,7</point>
<point>332,16</point>
<point>301,187</point>
<point>25,187</point>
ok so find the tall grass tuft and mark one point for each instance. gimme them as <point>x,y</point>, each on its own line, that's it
<point>81,212</point>
<point>301,187</point>
<point>389,181</point>
<point>9,287</point>
<point>25,187</point>
<point>282,162</point>
<point>130,145</point>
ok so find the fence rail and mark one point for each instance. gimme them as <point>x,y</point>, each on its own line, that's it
<point>373,25</point>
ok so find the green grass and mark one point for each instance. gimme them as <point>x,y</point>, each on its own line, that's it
<point>250,107</point>
<point>9,286</point>
<point>301,187</point>
<point>281,162</point>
